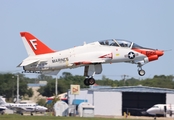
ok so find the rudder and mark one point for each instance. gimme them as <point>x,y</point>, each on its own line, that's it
<point>33,45</point>
<point>2,100</point>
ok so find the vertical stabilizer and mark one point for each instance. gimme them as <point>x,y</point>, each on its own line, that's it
<point>2,100</point>
<point>33,45</point>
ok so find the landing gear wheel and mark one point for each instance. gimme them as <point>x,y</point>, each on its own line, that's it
<point>86,81</point>
<point>141,72</point>
<point>91,81</point>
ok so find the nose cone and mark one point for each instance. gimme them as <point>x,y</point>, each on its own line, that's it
<point>41,108</point>
<point>159,52</point>
<point>45,108</point>
<point>154,110</point>
<point>151,111</point>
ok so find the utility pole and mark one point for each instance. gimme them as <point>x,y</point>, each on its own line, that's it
<point>17,96</point>
<point>56,82</point>
<point>12,87</point>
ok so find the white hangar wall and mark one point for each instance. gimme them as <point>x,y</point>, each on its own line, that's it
<point>105,103</point>
<point>84,95</point>
<point>108,103</point>
<point>169,98</point>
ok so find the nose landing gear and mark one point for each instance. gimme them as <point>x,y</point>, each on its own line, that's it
<point>141,72</point>
<point>89,81</point>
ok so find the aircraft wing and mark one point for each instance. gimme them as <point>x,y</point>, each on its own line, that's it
<point>51,72</point>
<point>17,108</point>
<point>21,109</point>
<point>88,62</point>
<point>91,67</point>
<point>102,57</point>
<point>137,110</point>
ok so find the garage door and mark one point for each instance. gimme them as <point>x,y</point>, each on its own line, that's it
<point>135,103</point>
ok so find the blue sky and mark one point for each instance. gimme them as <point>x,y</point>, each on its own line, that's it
<point>64,24</point>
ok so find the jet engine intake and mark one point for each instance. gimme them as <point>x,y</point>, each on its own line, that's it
<point>153,57</point>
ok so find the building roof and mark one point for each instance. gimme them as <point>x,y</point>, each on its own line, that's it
<point>144,89</point>
<point>35,85</point>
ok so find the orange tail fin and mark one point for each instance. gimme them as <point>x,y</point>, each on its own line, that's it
<point>33,45</point>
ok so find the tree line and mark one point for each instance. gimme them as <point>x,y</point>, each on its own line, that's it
<point>8,86</point>
<point>8,83</point>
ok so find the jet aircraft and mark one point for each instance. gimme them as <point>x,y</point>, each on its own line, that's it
<point>42,59</point>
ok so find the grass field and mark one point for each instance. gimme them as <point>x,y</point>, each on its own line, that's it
<point>20,117</point>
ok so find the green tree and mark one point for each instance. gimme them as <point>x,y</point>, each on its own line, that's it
<point>48,90</point>
<point>30,92</point>
<point>8,86</point>
<point>50,106</point>
<point>67,79</point>
<point>41,102</point>
<point>64,83</point>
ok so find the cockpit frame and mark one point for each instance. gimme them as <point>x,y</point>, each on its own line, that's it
<point>117,42</point>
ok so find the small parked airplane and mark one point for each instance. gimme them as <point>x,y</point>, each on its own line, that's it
<point>42,59</point>
<point>23,107</point>
<point>161,109</point>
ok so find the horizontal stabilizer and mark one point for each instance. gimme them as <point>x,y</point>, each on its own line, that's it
<point>27,62</point>
<point>2,100</point>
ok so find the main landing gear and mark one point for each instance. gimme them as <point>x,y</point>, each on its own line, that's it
<point>141,72</point>
<point>89,81</point>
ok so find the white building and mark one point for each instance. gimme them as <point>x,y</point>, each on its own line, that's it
<point>116,101</point>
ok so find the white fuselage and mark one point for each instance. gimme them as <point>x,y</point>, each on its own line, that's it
<point>29,107</point>
<point>161,109</point>
<point>88,53</point>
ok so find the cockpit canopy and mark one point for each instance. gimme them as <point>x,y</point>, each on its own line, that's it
<point>119,43</point>
<point>155,106</point>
